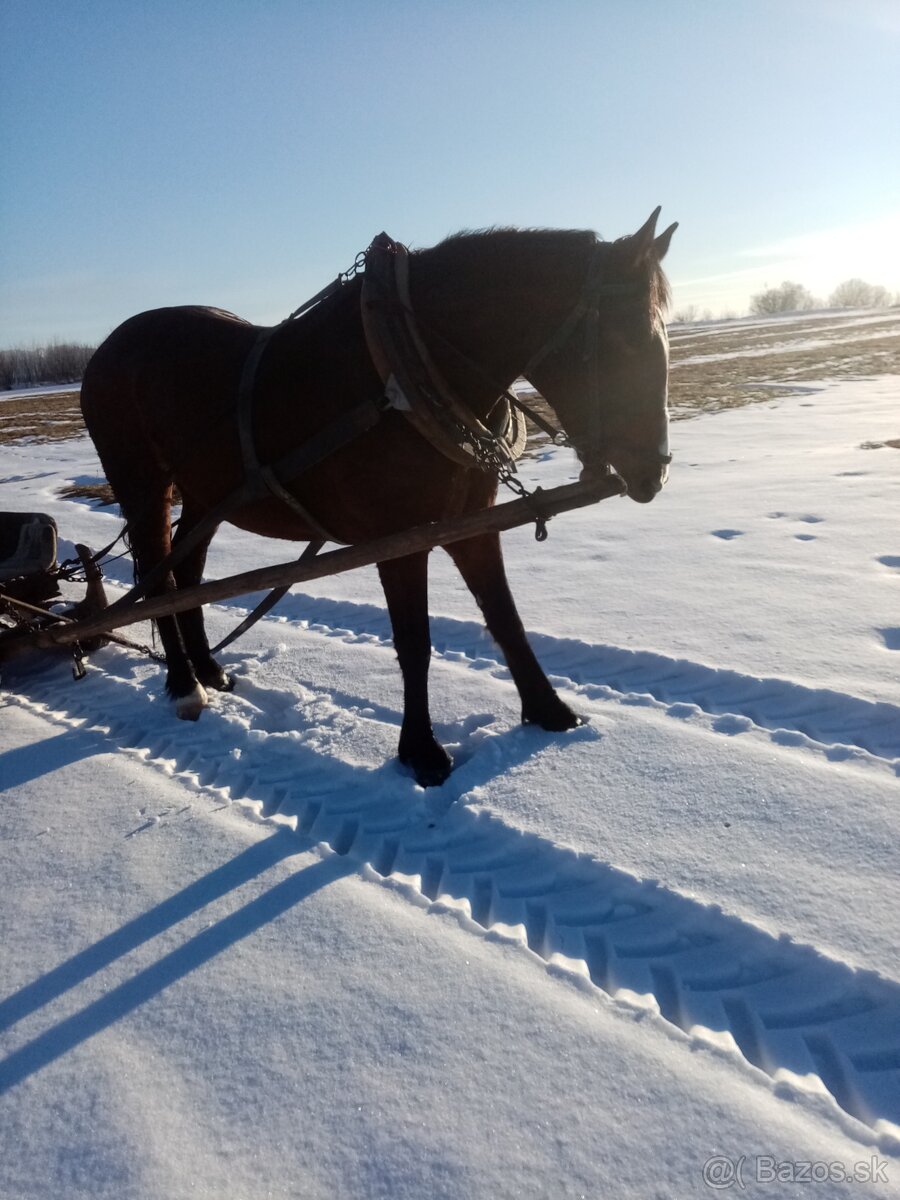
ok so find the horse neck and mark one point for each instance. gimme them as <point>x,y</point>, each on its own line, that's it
<point>487,304</point>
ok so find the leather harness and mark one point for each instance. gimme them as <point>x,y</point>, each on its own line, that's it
<point>413,385</point>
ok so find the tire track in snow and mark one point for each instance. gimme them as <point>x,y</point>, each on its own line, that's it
<point>810,1022</point>
<point>791,713</point>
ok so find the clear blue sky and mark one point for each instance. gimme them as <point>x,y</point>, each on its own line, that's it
<point>239,152</point>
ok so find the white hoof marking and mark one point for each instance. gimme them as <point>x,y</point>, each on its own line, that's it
<point>189,707</point>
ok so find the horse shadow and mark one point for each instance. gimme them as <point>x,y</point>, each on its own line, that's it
<point>299,781</point>
<point>22,764</point>
<point>115,1004</point>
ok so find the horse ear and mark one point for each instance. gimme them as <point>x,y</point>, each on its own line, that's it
<point>640,244</point>
<point>643,239</point>
<point>661,244</point>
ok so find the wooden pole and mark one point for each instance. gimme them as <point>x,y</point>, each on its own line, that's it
<point>348,558</point>
<point>34,610</point>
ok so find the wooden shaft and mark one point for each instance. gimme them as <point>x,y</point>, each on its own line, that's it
<point>395,545</point>
<point>26,637</point>
<point>32,609</point>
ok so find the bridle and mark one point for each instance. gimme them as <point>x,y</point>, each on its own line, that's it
<point>587,312</point>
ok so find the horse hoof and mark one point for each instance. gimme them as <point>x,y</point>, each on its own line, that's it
<point>431,772</point>
<point>433,776</point>
<point>189,707</point>
<point>212,676</point>
<point>555,718</point>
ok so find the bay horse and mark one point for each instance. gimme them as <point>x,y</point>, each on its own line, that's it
<point>160,400</point>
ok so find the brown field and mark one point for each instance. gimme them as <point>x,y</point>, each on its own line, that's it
<point>714,366</point>
<point>41,417</point>
<point>731,364</point>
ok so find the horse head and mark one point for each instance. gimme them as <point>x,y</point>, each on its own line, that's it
<point>606,376</point>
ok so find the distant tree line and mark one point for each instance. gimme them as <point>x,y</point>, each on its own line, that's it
<point>59,362</point>
<point>794,297</point>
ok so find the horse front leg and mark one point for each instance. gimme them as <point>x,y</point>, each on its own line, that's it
<point>480,562</point>
<point>405,583</point>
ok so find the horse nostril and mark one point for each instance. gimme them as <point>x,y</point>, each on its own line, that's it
<point>644,490</point>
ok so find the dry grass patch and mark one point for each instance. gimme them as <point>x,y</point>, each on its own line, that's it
<point>41,417</point>
<point>770,367</point>
<point>100,494</point>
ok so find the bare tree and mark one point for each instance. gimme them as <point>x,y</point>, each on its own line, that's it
<point>856,293</point>
<point>685,315</point>
<point>787,297</point>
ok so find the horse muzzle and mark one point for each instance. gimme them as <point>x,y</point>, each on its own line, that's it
<point>643,490</point>
<point>642,480</point>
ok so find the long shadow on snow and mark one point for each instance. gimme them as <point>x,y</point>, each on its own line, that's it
<point>47,1047</point>
<point>25,763</point>
<point>786,1006</point>
<point>203,891</point>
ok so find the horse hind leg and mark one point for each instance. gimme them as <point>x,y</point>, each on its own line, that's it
<point>147,512</point>
<point>142,485</point>
<point>187,573</point>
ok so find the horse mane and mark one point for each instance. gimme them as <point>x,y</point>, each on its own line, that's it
<point>660,292</point>
<point>500,233</point>
<point>501,239</point>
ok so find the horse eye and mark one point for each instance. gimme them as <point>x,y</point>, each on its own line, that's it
<point>616,341</point>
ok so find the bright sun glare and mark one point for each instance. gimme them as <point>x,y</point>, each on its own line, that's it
<point>819,261</point>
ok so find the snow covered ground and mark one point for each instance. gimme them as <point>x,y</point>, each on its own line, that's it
<point>250,958</point>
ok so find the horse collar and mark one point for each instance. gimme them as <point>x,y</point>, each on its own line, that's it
<point>412,380</point>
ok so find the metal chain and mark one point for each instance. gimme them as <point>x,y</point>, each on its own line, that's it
<point>489,457</point>
<point>359,264</point>
<point>508,478</point>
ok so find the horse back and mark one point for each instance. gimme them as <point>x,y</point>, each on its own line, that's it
<point>164,374</point>
<point>160,400</point>
<point>164,341</point>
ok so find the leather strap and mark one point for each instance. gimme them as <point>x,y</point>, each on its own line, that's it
<point>265,605</point>
<point>253,468</point>
<point>413,383</point>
